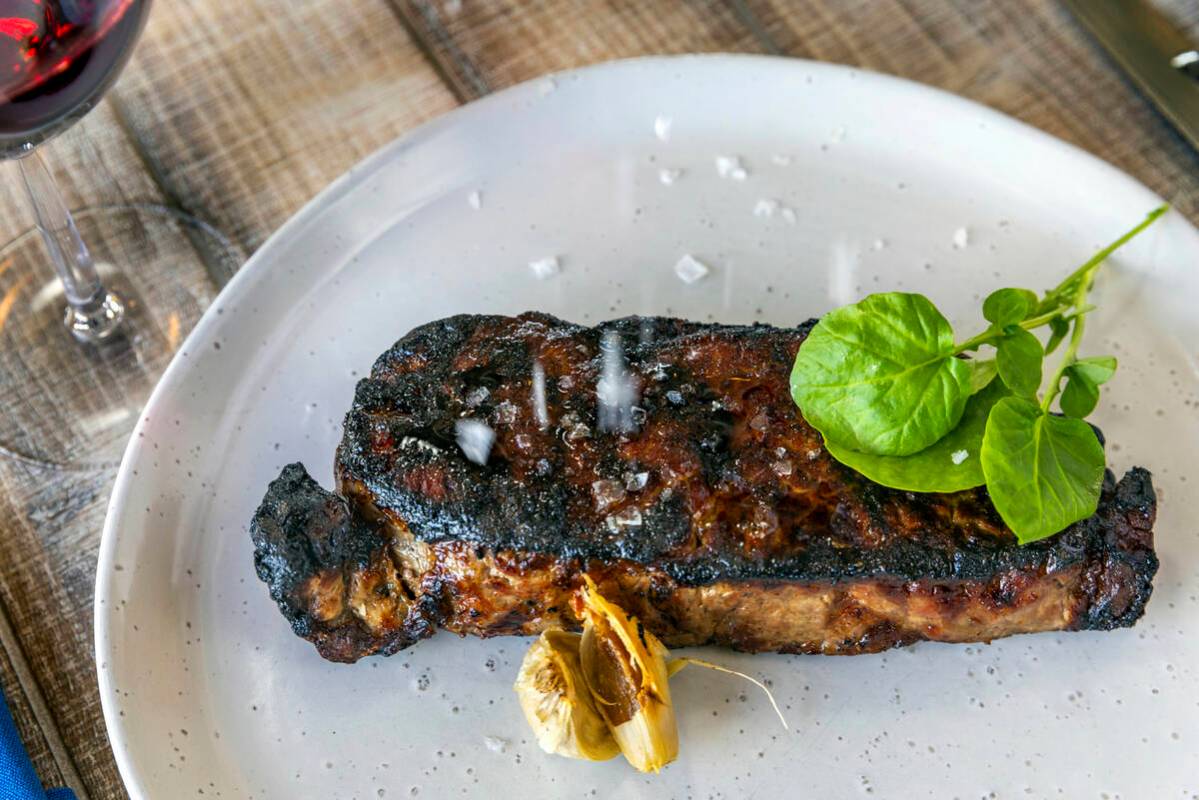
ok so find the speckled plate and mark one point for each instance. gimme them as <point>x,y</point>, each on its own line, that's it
<point>800,186</point>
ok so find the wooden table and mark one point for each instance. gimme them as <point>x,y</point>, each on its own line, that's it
<point>239,112</point>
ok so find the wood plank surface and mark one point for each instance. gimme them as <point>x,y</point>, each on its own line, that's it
<point>239,113</point>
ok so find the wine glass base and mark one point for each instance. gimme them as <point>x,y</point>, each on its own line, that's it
<point>97,321</point>
<point>71,401</point>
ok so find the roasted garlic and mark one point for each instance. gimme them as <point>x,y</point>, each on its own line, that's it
<point>557,703</point>
<point>606,691</point>
<point>625,668</point>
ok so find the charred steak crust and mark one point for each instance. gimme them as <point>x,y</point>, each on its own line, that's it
<point>722,499</point>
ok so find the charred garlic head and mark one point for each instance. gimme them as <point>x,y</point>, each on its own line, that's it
<point>557,702</point>
<point>606,691</point>
<point>625,668</point>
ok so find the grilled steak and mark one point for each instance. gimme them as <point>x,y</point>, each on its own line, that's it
<point>705,504</point>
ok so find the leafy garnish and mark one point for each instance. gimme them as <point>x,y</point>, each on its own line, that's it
<point>879,376</point>
<point>1043,472</point>
<point>884,382</point>
<point>982,372</point>
<point>1005,307</point>
<point>1019,356</point>
<point>949,465</point>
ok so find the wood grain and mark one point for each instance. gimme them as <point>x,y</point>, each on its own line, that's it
<point>239,113</point>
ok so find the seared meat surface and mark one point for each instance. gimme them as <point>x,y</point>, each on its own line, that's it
<point>712,510</point>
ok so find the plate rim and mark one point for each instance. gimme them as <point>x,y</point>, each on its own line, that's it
<point>310,211</point>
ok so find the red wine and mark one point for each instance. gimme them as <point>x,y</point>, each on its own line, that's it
<point>56,59</point>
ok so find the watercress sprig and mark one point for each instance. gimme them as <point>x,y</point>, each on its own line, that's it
<point>899,399</point>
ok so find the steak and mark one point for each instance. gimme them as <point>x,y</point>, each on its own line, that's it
<point>666,459</point>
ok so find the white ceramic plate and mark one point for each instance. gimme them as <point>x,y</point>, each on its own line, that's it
<point>205,687</point>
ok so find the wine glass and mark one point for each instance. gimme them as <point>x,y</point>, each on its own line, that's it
<point>57,58</point>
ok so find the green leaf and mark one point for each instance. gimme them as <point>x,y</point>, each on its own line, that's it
<point>1043,472</point>
<point>1005,307</point>
<point>1019,361</point>
<point>1097,369</point>
<point>982,372</point>
<point>1080,396</point>
<point>880,377</point>
<point>950,465</point>
<point>1059,328</point>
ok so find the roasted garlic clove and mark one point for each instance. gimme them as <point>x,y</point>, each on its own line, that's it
<point>625,668</point>
<point>557,703</point>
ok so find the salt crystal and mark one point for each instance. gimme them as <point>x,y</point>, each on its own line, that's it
<point>475,439</point>
<point>576,433</point>
<point>788,215</point>
<point>546,267</point>
<point>475,200</point>
<point>495,744</point>
<point>781,159</point>
<point>958,456</point>
<point>523,441</point>
<point>674,397</point>
<point>546,86</point>
<point>616,389</point>
<point>635,481</point>
<point>961,238</point>
<point>669,176</point>
<point>645,331</point>
<point>766,207</point>
<point>731,167</point>
<point>505,413</point>
<point>781,468</point>
<point>419,444</point>
<point>566,383</point>
<point>662,125</point>
<point>606,494</point>
<point>690,269</point>
<point>879,244</point>
<point>540,409</point>
<point>625,518</point>
<point>476,396</point>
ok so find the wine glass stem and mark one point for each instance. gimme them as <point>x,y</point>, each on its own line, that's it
<point>92,313</point>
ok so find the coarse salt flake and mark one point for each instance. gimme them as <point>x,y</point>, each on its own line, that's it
<point>958,456</point>
<point>475,439</point>
<point>961,238</point>
<point>669,176</point>
<point>544,268</point>
<point>475,200</point>
<point>731,167</point>
<point>690,269</point>
<point>662,126</point>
